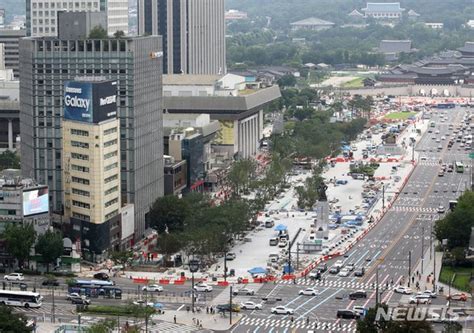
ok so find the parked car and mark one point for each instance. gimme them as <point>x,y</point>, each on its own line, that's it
<point>50,282</point>
<point>250,306</point>
<point>334,270</point>
<point>344,272</point>
<point>14,277</point>
<point>441,209</point>
<point>403,290</point>
<point>72,295</point>
<point>231,256</point>
<point>430,293</point>
<point>283,243</point>
<point>153,288</point>
<point>347,314</point>
<point>359,272</point>
<point>80,300</point>
<point>226,307</point>
<point>357,294</point>
<point>315,274</point>
<point>244,291</point>
<point>420,299</point>
<point>282,310</point>
<point>308,292</point>
<point>101,276</point>
<point>339,264</point>
<point>350,267</point>
<point>202,287</point>
<point>457,297</point>
<point>273,241</point>
<point>269,224</point>
<point>142,302</point>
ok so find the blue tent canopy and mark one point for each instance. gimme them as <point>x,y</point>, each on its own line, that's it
<point>257,270</point>
<point>280,227</point>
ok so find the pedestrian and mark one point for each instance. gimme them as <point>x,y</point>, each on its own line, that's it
<point>174,318</point>
<point>412,279</point>
<point>292,319</point>
<point>194,320</point>
<point>307,320</point>
<point>207,309</point>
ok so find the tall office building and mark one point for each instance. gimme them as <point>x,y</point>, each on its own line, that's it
<point>42,20</point>
<point>193,33</point>
<point>10,38</point>
<point>136,64</point>
<point>91,164</point>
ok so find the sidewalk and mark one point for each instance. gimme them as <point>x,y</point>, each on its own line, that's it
<point>214,322</point>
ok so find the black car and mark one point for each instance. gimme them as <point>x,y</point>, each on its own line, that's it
<point>359,271</point>
<point>50,282</point>
<point>80,300</point>
<point>357,294</point>
<point>347,314</point>
<point>101,276</point>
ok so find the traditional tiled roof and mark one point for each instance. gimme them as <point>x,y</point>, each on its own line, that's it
<point>451,69</point>
<point>394,46</point>
<point>312,21</point>
<point>355,13</point>
<point>377,7</point>
<point>412,13</point>
<point>468,47</point>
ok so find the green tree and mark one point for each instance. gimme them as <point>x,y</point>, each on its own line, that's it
<point>456,225</point>
<point>119,34</point>
<point>98,32</point>
<point>50,246</point>
<point>287,81</point>
<point>19,239</point>
<point>168,213</point>
<point>452,327</point>
<point>11,322</point>
<point>121,257</point>
<point>9,160</point>
<point>241,173</point>
<point>169,244</point>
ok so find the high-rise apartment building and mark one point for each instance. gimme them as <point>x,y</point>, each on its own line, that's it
<point>10,39</point>
<point>91,164</point>
<point>136,65</point>
<point>193,33</point>
<point>42,15</point>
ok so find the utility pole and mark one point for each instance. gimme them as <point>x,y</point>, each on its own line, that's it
<point>297,256</point>
<point>377,286</point>
<point>225,266</point>
<point>289,256</point>
<point>383,196</point>
<point>53,319</point>
<point>230,316</point>
<point>431,238</point>
<point>409,268</point>
<point>422,247</point>
<point>434,269</point>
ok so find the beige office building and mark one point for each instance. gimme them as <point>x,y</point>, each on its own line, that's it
<point>91,166</point>
<point>193,33</point>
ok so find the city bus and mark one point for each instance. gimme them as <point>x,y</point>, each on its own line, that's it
<point>95,288</point>
<point>25,299</point>
<point>459,167</point>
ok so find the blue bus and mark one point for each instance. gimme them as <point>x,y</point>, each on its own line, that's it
<point>95,288</point>
<point>445,105</point>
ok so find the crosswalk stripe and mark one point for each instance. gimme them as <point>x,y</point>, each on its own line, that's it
<point>329,283</point>
<point>327,325</point>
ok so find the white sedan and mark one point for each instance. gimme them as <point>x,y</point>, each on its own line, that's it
<point>14,277</point>
<point>250,306</point>
<point>203,287</point>
<point>403,290</point>
<point>344,272</point>
<point>141,302</point>
<point>308,292</point>
<point>153,287</point>
<point>282,310</point>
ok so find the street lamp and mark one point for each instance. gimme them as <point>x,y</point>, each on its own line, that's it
<point>193,267</point>
<point>383,196</point>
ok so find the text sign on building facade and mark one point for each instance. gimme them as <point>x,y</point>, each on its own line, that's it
<point>90,102</point>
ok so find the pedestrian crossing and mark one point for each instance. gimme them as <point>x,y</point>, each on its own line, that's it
<point>45,311</point>
<point>414,209</point>
<point>341,326</point>
<point>343,284</point>
<point>171,328</point>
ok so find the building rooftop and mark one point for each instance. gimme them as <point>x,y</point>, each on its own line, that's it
<point>394,46</point>
<point>450,69</point>
<point>190,79</point>
<point>312,21</point>
<point>378,7</point>
<point>355,13</point>
<point>468,47</point>
<point>412,13</point>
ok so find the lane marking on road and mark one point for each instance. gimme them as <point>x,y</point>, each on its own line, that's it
<point>182,306</point>
<point>319,304</point>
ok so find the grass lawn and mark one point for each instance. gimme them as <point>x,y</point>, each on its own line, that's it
<point>400,115</point>
<point>356,83</point>
<point>463,275</point>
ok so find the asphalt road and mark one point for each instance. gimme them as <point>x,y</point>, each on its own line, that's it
<point>384,251</point>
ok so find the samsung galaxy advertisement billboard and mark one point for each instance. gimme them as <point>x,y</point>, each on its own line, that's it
<point>90,102</point>
<point>35,201</point>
